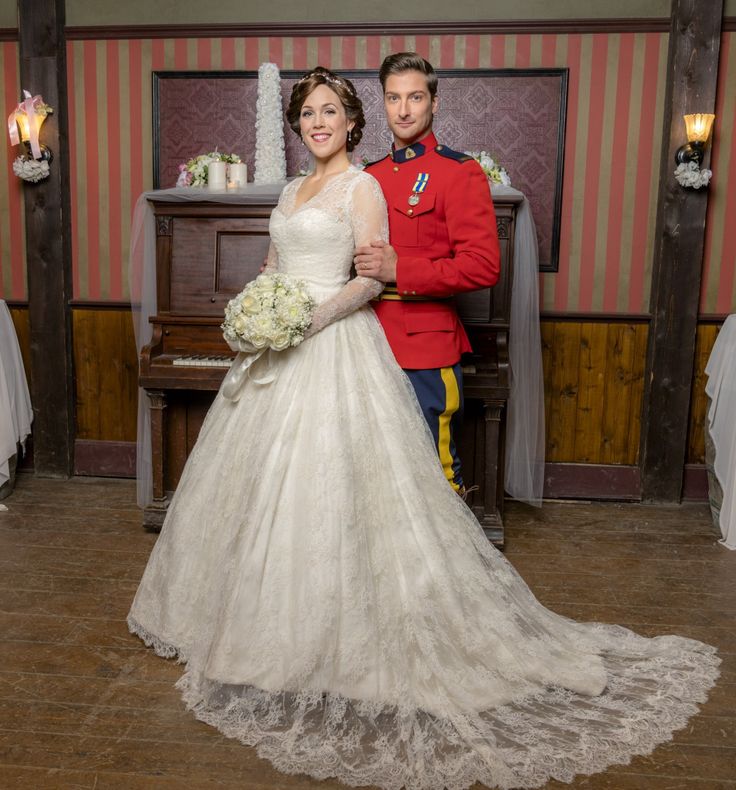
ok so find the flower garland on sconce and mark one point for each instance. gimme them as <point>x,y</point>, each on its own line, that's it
<point>24,125</point>
<point>689,174</point>
<point>689,157</point>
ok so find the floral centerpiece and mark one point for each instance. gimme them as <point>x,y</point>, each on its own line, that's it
<point>193,173</point>
<point>495,173</point>
<point>273,311</point>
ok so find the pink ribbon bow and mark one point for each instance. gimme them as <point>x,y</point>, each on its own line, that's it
<point>28,108</point>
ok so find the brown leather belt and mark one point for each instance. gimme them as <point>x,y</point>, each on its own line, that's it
<point>391,294</point>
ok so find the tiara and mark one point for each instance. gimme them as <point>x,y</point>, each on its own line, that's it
<point>328,78</point>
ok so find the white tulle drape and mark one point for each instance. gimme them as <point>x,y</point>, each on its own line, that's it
<point>721,389</point>
<point>524,475</point>
<point>15,401</point>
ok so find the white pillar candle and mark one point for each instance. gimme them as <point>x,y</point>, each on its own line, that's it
<point>216,175</point>
<point>237,175</point>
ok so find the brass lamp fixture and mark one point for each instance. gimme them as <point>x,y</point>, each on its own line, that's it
<point>698,127</point>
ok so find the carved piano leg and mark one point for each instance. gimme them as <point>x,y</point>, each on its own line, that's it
<point>488,513</point>
<point>154,514</point>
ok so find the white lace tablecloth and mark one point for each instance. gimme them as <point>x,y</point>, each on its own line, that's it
<point>721,389</point>
<point>524,470</point>
<point>15,401</point>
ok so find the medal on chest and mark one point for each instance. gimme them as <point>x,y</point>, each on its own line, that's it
<point>419,186</point>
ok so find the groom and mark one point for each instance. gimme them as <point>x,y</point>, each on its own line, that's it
<point>442,229</point>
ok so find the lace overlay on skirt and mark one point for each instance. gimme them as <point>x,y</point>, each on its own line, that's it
<point>337,605</point>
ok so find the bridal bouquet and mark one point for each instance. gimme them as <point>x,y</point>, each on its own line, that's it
<point>273,311</point>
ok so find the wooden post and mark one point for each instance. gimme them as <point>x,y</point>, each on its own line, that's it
<point>48,243</point>
<point>692,69</point>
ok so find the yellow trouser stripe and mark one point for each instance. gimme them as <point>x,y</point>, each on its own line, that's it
<point>452,404</point>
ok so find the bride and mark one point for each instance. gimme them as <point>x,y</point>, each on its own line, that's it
<point>336,604</point>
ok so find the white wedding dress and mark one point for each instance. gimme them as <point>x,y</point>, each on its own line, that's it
<point>338,606</point>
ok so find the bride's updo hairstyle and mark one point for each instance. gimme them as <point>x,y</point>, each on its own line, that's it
<point>342,87</point>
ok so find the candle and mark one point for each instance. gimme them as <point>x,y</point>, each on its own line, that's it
<point>237,175</point>
<point>216,175</point>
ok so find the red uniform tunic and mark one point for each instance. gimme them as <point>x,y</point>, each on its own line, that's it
<point>446,244</point>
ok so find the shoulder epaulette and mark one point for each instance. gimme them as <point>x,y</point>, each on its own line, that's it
<point>375,162</point>
<point>458,156</point>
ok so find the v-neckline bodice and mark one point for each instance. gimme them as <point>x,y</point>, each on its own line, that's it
<point>333,180</point>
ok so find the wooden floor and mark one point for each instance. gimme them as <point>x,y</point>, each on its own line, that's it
<point>84,705</point>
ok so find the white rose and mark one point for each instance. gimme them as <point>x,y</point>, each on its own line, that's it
<point>258,341</point>
<point>249,305</point>
<point>239,324</point>
<point>280,342</point>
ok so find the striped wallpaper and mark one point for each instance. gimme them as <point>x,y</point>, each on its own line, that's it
<point>12,228</point>
<point>616,94</point>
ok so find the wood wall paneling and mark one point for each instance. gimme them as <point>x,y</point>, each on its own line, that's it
<point>106,372</point>
<point>593,375</point>
<point>594,379</point>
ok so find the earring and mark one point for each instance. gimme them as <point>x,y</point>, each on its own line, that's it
<point>350,135</point>
<point>301,137</point>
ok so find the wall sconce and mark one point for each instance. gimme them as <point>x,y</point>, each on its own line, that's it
<point>689,157</point>
<point>24,125</point>
<point>698,131</point>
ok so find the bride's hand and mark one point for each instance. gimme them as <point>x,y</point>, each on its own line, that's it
<point>377,261</point>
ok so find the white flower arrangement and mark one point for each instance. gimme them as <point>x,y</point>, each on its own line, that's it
<point>273,311</point>
<point>495,173</point>
<point>689,174</point>
<point>29,169</point>
<point>193,173</point>
<point>270,154</point>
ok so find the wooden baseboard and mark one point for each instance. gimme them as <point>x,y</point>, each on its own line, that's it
<point>561,481</point>
<point>616,482</point>
<point>591,481</point>
<point>695,483</point>
<point>98,458</point>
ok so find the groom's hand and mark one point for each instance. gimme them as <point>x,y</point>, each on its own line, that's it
<point>377,261</point>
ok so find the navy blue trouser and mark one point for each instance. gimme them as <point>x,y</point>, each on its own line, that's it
<point>440,394</point>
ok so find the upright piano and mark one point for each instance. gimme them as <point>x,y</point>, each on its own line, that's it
<point>205,253</point>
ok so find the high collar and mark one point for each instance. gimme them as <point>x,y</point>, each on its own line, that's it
<point>414,150</point>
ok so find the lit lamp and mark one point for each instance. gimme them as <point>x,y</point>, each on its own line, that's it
<point>24,125</point>
<point>28,118</point>
<point>698,127</point>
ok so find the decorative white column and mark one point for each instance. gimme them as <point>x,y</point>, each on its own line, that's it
<point>270,156</point>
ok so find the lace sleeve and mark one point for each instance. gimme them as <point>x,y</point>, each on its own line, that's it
<point>370,223</point>
<point>272,260</point>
